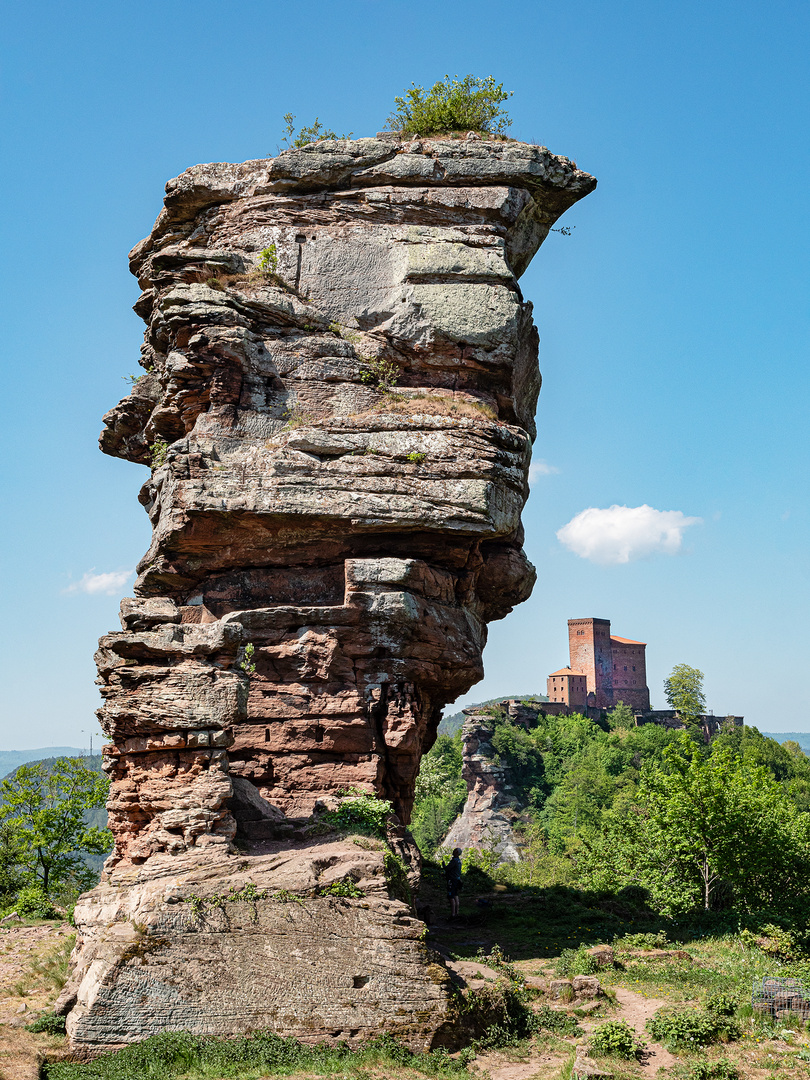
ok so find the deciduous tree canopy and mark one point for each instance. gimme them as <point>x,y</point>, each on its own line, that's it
<point>42,810</point>
<point>684,692</point>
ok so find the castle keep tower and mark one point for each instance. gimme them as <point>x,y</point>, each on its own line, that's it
<point>614,668</point>
<point>590,653</point>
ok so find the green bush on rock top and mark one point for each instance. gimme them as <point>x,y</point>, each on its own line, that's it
<point>360,812</point>
<point>468,104</point>
<point>316,132</point>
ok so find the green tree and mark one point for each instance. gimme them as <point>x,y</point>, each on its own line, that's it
<point>440,793</point>
<point>684,692</point>
<point>10,852</point>
<point>468,104</point>
<point>621,717</point>
<point>703,823</point>
<point>42,808</point>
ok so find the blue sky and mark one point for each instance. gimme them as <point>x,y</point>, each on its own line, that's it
<point>673,321</point>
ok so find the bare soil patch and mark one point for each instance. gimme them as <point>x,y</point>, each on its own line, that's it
<point>23,997</point>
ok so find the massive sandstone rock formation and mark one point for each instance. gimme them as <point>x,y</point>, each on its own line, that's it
<point>341,378</point>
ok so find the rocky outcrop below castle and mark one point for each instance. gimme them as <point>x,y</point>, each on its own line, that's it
<point>340,378</point>
<point>492,810</point>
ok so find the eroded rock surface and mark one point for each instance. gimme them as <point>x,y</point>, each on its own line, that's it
<point>228,946</point>
<point>492,809</point>
<point>338,405</point>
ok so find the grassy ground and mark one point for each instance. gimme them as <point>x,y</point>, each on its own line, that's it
<point>33,966</point>
<point>533,927</point>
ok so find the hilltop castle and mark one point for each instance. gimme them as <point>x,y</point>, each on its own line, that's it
<point>603,669</point>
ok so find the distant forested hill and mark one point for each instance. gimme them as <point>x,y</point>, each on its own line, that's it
<point>801,737</point>
<point>12,759</point>
<point>451,724</point>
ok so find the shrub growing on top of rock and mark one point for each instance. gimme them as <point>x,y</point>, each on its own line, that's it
<point>360,812</point>
<point>577,962</point>
<point>468,104</point>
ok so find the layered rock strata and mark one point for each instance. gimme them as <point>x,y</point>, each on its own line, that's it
<point>492,810</point>
<point>337,405</point>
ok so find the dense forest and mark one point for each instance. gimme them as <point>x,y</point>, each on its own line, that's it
<point>607,805</point>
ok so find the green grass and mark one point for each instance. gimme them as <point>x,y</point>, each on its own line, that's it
<point>721,965</point>
<point>49,970</point>
<point>262,1054</point>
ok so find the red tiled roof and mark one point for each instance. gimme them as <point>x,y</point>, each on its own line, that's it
<point>566,671</point>
<point>626,640</point>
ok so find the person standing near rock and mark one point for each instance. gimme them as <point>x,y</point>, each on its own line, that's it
<point>453,874</point>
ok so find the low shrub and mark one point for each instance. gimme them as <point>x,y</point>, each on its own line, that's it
<point>316,132</point>
<point>720,1004</point>
<point>556,1021</point>
<point>501,1014</point>
<point>33,903</point>
<point>615,1038</point>
<point>157,453</point>
<point>779,942</point>
<point>360,812</point>
<point>381,373</point>
<point>576,962</point>
<point>686,1028</point>
<point>714,1070</point>
<point>47,1024</point>
<point>346,887</point>
<point>468,104</point>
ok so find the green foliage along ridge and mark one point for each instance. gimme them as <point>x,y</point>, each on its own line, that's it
<point>607,806</point>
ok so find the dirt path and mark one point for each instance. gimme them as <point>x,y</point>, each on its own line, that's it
<point>537,1066</point>
<point>22,997</point>
<point>637,1010</point>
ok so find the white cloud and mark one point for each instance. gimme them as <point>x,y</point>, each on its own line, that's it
<point>622,534</point>
<point>541,468</point>
<point>110,583</point>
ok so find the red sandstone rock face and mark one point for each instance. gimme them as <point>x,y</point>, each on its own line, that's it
<point>359,540</point>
